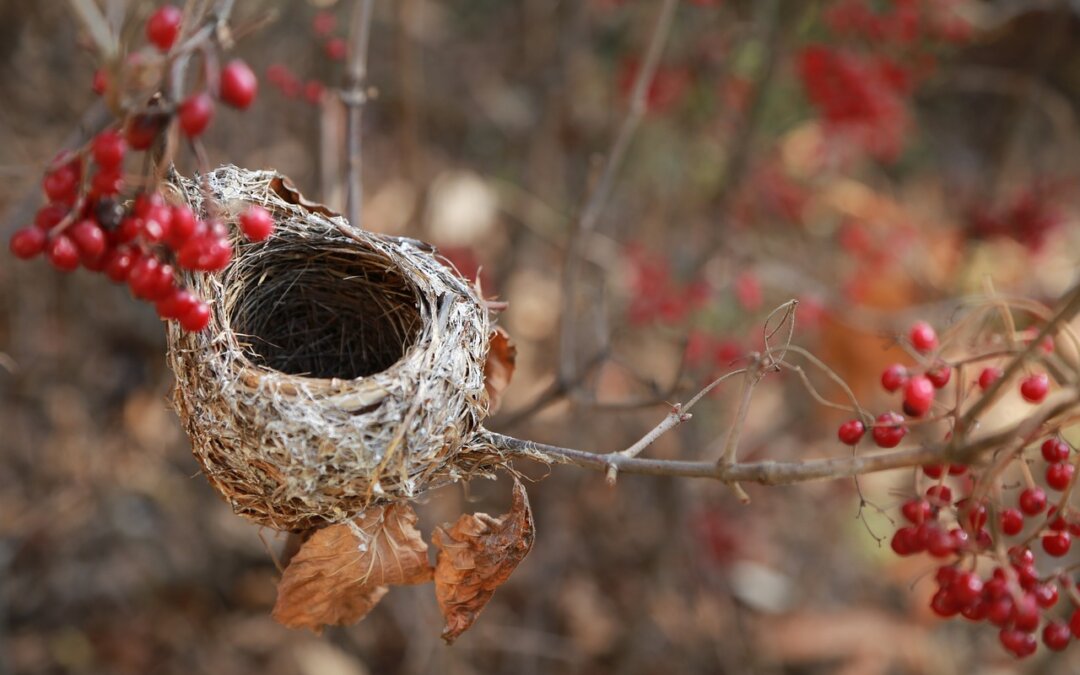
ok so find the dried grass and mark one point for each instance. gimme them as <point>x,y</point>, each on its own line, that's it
<point>340,367</point>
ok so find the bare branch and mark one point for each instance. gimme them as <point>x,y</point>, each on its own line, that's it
<point>354,96</point>
<point>786,473</point>
<point>590,213</point>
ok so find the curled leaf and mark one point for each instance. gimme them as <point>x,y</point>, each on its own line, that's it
<point>499,367</point>
<point>342,571</point>
<point>476,556</point>
<point>287,191</point>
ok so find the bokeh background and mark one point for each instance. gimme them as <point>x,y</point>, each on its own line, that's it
<point>875,160</point>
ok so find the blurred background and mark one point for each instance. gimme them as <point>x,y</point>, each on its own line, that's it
<point>877,160</point>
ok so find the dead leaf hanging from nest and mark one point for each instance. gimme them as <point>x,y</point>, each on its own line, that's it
<point>499,367</point>
<point>476,556</point>
<point>343,570</point>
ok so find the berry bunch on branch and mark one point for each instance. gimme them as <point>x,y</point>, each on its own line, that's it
<point>107,210</point>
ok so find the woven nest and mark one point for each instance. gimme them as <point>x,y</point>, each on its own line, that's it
<point>340,367</point>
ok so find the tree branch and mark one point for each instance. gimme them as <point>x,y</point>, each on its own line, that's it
<point>590,213</point>
<point>353,96</point>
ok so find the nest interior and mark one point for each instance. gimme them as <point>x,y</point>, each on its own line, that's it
<point>324,312</point>
<point>340,367</point>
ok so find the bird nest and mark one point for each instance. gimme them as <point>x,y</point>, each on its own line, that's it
<point>340,368</point>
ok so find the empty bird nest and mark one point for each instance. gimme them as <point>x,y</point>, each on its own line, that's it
<point>340,368</point>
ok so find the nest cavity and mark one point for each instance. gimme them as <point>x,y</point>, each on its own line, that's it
<point>340,367</point>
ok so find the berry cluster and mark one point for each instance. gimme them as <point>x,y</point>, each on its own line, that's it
<point>1029,218</point>
<point>863,96</point>
<point>92,218</point>
<point>334,48</point>
<point>899,22</point>
<point>988,570</point>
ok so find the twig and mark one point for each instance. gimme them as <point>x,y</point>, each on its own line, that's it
<point>353,96</point>
<point>590,213</point>
<point>775,472</point>
<point>1070,308</point>
<point>97,26</point>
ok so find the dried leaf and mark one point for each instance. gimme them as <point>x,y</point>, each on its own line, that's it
<point>499,367</point>
<point>287,191</point>
<point>476,556</point>
<point>343,570</point>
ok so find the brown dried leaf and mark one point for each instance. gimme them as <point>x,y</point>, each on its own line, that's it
<point>343,570</point>
<point>287,191</point>
<point>499,367</point>
<point>476,556</point>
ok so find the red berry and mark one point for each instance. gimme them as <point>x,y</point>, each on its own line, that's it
<point>205,253</point>
<point>177,304</point>
<point>939,495</point>
<point>143,277</point>
<point>957,469</point>
<point>60,185</point>
<point>989,376</point>
<point>157,222</point>
<point>1012,521</point>
<point>934,471</point>
<point>108,149</point>
<point>1058,476</point>
<point>106,182</point>
<point>918,395</point>
<point>894,377</point>
<point>1074,624</point>
<point>940,544</point>
<point>143,130</point>
<point>183,226</point>
<point>944,604</point>
<point>904,541</point>
<point>100,83</point>
<point>1055,450</point>
<point>163,27</point>
<point>1017,642</point>
<point>1021,555</point>
<point>1032,501</point>
<point>1025,614</point>
<point>197,318</point>
<point>324,23</point>
<point>130,228</point>
<point>974,513</point>
<point>1046,595</point>
<point>889,430</point>
<point>1057,543</point>
<point>88,238</point>
<point>258,224</point>
<point>336,49</point>
<point>28,242</point>
<point>118,262</point>
<point>195,113</point>
<point>49,216</point>
<point>916,510</point>
<point>939,376</point>
<point>313,91</point>
<point>851,432</point>
<point>967,588</point>
<point>63,254</point>
<point>1034,387</point>
<point>923,337</point>
<point>1056,636</point>
<point>238,84</point>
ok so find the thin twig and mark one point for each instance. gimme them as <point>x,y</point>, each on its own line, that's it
<point>97,26</point>
<point>783,473</point>
<point>354,96</point>
<point>590,213</point>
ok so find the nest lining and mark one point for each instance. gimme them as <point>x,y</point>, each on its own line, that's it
<point>323,313</point>
<point>339,369</point>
